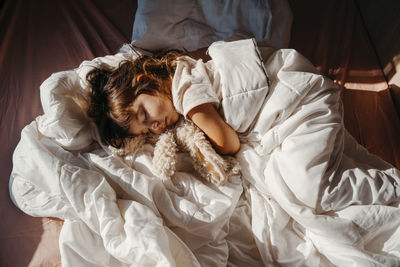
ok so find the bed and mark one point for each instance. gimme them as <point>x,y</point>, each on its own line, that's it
<point>100,28</point>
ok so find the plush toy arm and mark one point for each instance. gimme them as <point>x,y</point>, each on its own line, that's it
<point>207,161</point>
<point>211,164</point>
<point>164,158</point>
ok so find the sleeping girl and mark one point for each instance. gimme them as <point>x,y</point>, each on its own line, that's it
<point>149,93</point>
<point>137,97</point>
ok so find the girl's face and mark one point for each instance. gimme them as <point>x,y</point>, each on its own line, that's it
<point>152,113</point>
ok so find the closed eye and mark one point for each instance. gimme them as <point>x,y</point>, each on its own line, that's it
<point>145,115</point>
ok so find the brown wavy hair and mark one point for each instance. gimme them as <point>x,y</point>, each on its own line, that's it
<point>112,91</point>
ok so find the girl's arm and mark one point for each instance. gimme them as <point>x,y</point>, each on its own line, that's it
<point>224,139</point>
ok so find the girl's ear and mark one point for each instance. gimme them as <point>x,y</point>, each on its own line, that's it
<point>140,77</point>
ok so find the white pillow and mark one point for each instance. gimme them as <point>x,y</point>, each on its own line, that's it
<point>192,24</point>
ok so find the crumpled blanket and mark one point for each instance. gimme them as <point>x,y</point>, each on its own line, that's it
<point>308,194</point>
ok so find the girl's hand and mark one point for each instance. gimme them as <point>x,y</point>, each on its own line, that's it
<point>224,139</point>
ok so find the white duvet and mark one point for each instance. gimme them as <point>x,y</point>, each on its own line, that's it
<point>308,195</point>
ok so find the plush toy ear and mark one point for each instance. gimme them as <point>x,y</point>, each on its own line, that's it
<point>164,158</point>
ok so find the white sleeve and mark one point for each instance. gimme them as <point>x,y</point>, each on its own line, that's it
<point>192,86</point>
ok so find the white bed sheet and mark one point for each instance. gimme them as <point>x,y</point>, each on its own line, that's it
<point>308,194</point>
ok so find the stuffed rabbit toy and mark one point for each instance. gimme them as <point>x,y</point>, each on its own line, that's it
<point>184,137</point>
